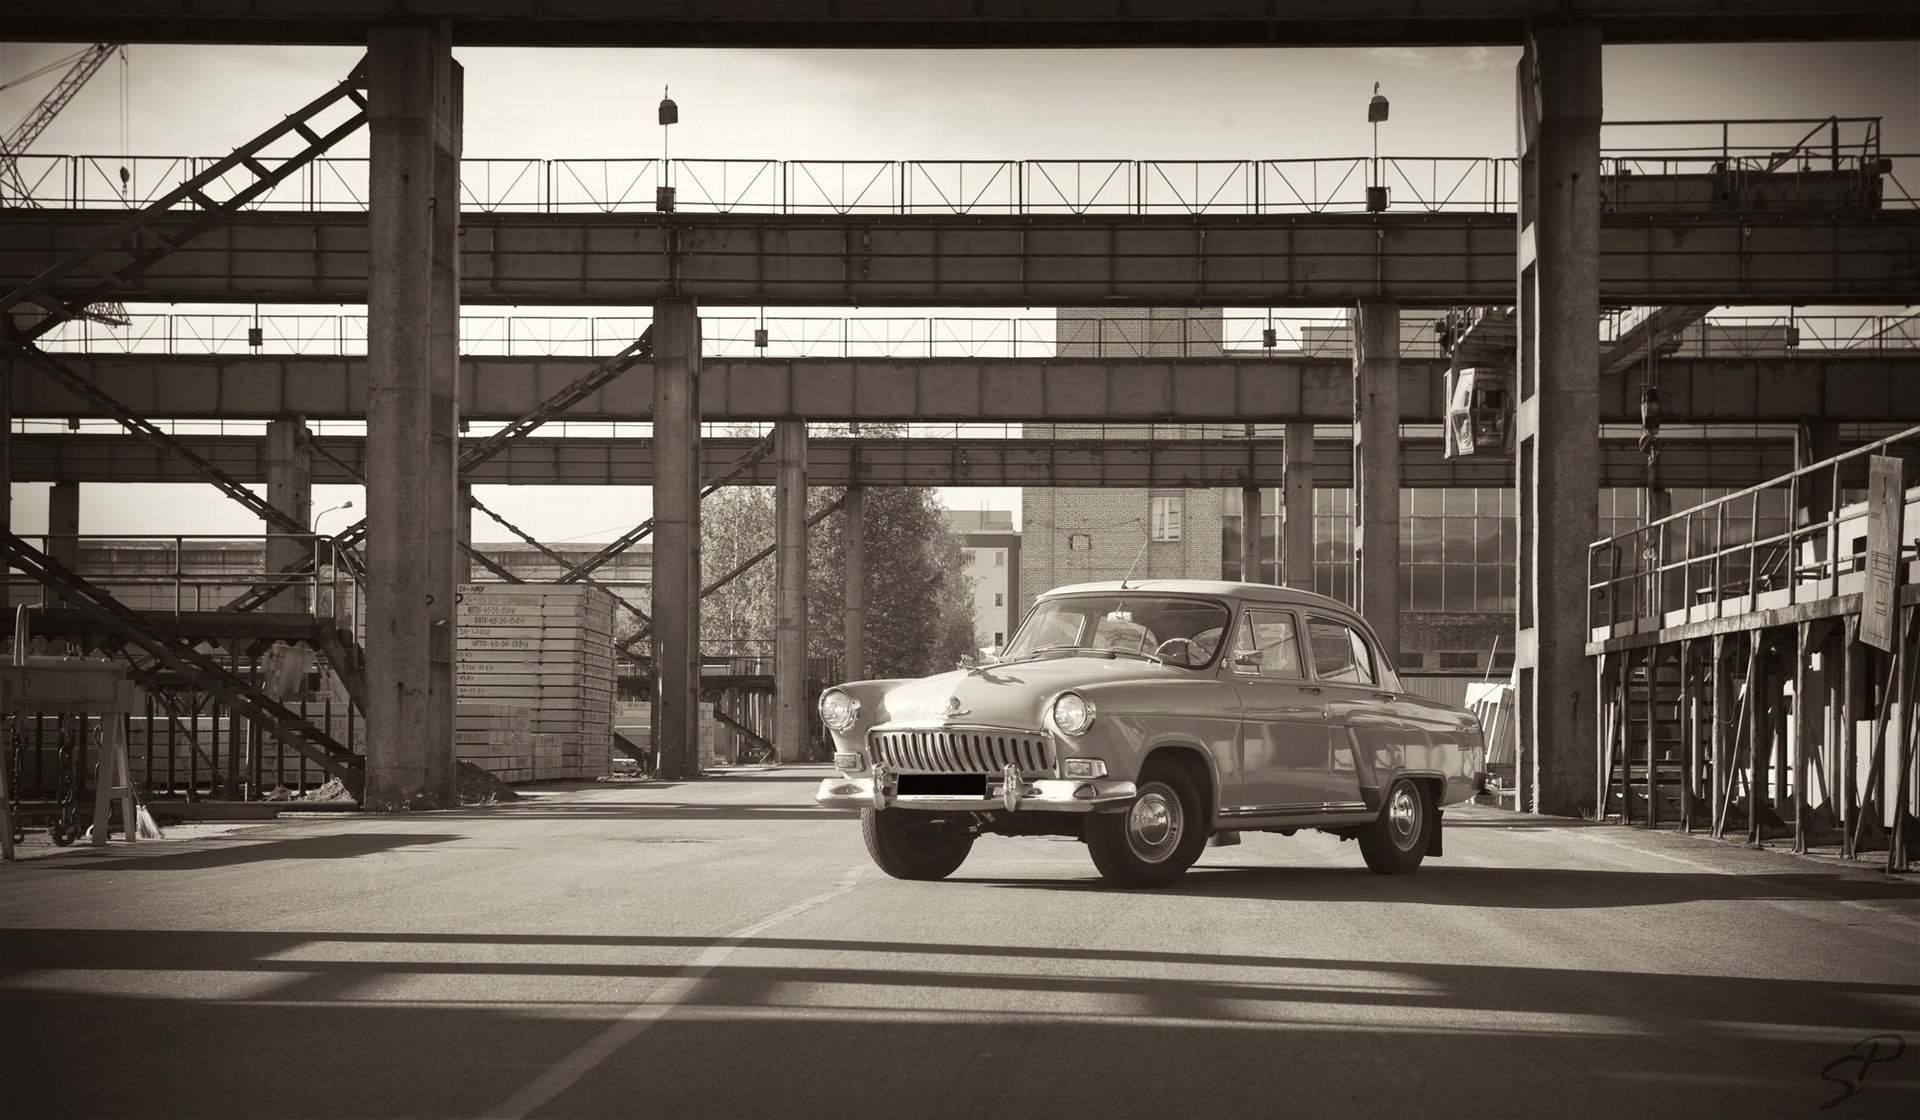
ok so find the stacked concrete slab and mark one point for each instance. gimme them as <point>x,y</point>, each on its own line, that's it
<point>497,738</point>
<point>545,650</point>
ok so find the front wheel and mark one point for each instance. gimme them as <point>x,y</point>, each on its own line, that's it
<point>1157,838</point>
<point>910,845</point>
<point>1395,843</point>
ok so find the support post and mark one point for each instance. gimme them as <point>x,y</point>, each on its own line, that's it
<point>790,590</point>
<point>1558,466</point>
<point>290,490</point>
<point>854,615</point>
<point>63,523</point>
<point>1252,570</point>
<point>463,533</point>
<point>1814,441</point>
<point>1296,508</point>
<point>413,312</point>
<point>676,535</point>
<point>1376,470</point>
<point>6,487</point>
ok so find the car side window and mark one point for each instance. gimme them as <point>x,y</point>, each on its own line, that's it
<point>1279,645</point>
<point>1270,637</point>
<point>1340,654</point>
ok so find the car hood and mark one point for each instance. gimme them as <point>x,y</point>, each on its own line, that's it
<point>1014,695</point>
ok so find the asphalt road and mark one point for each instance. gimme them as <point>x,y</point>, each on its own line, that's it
<point>723,948</point>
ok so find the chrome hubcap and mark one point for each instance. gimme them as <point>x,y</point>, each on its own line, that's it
<point>1403,816</point>
<point>1155,824</point>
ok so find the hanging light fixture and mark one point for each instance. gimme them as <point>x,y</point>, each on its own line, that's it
<point>760,332</point>
<point>1377,190</point>
<point>669,116</point>
<point>255,336</point>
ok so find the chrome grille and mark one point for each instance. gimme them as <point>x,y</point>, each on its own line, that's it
<point>967,751</point>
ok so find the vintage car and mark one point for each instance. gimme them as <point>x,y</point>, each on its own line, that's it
<point>1145,717</point>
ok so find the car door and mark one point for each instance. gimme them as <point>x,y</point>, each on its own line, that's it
<point>1368,737</point>
<point>1283,718</point>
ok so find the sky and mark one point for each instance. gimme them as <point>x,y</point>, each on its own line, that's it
<point>772,104</point>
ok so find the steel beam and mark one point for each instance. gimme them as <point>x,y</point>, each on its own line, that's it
<point>1316,260</point>
<point>1102,463</point>
<point>942,23</point>
<point>1780,389</point>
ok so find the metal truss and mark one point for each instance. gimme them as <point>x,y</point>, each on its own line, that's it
<point>644,530</point>
<point>150,245</point>
<point>179,655</point>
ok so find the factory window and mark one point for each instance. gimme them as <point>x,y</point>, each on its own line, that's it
<point>1165,517</point>
<point>999,598</point>
<point>999,557</point>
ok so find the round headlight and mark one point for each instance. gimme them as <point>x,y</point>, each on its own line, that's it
<point>838,710</point>
<point>1072,713</point>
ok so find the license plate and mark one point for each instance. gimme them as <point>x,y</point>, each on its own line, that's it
<point>942,785</point>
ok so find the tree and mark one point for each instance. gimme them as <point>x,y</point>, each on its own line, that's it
<point>919,597</point>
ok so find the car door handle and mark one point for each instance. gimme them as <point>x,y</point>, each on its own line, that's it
<point>1383,696</point>
<point>1311,689</point>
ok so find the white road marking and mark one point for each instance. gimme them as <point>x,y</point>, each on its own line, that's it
<point>561,1076</point>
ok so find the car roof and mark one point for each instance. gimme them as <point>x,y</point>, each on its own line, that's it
<point>1215,588</point>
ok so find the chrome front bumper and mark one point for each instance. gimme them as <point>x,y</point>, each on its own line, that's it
<point>1057,795</point>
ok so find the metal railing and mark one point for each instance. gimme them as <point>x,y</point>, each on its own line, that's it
<point>1430,184</point>
<point>287,334</point>
<point>1759,336</point>
<point>1661,179</point>
<point>181,573</point>
<point>1726,557</point>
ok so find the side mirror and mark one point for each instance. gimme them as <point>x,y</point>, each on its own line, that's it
<point>1246,661</point>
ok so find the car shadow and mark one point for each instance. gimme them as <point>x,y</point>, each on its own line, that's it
<point>1524,888</point>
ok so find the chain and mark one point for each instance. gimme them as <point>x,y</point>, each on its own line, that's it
<point>71,759</point>
<point>16,746</point>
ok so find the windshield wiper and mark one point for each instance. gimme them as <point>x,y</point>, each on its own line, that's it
<point>1033,653</point>
<point>1144,656</point>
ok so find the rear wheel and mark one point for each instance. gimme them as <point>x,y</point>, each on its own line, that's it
<point>910,845</point>
<point>1157,837</point>
<point>1397,842</point>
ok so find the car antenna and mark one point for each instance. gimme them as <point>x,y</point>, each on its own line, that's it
<point>1136,563</point>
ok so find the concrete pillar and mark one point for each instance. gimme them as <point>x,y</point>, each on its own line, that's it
<point>790,590</point>
<point>676,535</point>
<point>6,490</point>
<point>413,309</point>
<point>463,532</point>
<point>1296,508</point>
<point>855,613</point>
<point>63,523</point>
<point>1376,469</point>
<point>1813,442</point>
<point>1251,568</point>
<point>289,490</point>
<point>1559,419</point>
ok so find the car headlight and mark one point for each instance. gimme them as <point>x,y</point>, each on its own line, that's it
<point>1072,713</point>
<point>838,710</point>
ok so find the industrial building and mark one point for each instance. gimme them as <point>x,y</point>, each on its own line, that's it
<point>1618,422</point>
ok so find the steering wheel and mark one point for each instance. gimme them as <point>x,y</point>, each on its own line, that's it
<point>1194,655</point>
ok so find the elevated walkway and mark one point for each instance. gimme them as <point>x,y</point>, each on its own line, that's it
<point>1755,660</point>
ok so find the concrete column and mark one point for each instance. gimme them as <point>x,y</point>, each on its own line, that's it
<point>463,532</point>
<point>63,530</point>
<point>1251,568</point>
<point>289,490</point>
<point>1376,469</point>
<point>855,613</point>
<point>790,590</point>
<point>412,415</point>
<point>6,490</point>
<point>1813,442</point>
<point>1296,508</point>
<point>1559,420</point>
<point>676,535</point>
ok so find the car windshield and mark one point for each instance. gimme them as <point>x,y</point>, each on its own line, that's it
<point>1123,623</point>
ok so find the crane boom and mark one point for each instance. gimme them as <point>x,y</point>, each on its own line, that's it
<point>42,114</point>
